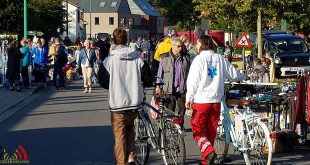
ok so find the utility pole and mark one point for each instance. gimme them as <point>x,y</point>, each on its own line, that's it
<point>90,17</point>
<point>25,20</point>
<point>259,34</point>
<point>67,18</point>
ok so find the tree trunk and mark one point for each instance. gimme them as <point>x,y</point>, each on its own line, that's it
<point>259,34</point>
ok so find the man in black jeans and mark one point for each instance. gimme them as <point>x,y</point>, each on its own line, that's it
<point>60,61</point>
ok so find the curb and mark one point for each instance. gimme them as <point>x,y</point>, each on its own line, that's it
<point>7,113</point>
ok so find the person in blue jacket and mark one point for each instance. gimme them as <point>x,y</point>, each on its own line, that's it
<point>40,60</point>
<point>25,50</point>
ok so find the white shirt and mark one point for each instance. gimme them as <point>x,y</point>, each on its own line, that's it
<point>206,77</point>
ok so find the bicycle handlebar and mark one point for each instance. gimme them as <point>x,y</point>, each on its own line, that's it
<point>162,82</point>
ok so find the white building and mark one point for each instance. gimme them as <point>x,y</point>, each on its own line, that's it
<point>76,23</point>
<point>94,17</point>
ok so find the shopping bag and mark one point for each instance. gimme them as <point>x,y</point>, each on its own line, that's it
<point>154,104</point>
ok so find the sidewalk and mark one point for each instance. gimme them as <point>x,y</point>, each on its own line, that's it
<point>9,99</point>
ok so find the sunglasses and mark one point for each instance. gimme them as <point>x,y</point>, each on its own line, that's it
<point>179,46</point>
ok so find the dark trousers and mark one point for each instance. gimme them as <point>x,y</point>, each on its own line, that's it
<point>177,98</point>
<point>40,73</point>
<point>25,76</point>
<point>13,81</point>
<point>61,76</point>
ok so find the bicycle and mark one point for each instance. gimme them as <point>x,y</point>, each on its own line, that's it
<point>168,139</point>
<point>248,133</point>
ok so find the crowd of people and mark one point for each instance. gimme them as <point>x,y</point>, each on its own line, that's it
<point>31,59</point>
<point>193,83</point>
<point>193,75</point>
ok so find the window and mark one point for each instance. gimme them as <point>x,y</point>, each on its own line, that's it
<point>96,20</point>
<point>114,4</point>
<point>102,4</point>
<point>78,15</point>
<point>123,21</point>
<point>111,20</point>
<point>130,23</point>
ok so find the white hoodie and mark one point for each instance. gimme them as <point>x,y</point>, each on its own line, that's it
<point>206,77</point>
<point>124,66</point>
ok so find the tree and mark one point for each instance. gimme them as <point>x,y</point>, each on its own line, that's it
<point>248,15</point>
<point>297,15</point>
<point>44,15</point>
<point>184,17</point>
<point>11,16</point>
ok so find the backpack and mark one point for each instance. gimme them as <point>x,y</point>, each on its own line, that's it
<point>103,76</point>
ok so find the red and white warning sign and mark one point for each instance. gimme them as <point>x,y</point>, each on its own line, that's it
<point>243,41</point>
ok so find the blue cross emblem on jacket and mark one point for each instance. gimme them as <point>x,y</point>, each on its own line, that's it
<point>212,72</point>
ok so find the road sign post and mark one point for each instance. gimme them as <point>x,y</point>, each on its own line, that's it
<point>243,42</point>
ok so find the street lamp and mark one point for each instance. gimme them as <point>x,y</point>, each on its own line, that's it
<point>84,23</point>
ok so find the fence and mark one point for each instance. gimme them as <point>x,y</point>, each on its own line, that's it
<point>3,60</point>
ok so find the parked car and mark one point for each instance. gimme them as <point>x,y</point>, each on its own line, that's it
<point>291,53</point>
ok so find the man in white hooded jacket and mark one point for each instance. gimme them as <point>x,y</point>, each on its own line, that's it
<point>205,90</point>
<point>127,72</point>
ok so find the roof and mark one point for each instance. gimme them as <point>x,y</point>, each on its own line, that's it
<point>282,36</point>
<point>73,3</point>
<point>142,7</point>
<point>139,7</point>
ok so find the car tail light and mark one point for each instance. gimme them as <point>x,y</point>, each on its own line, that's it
<point>177,121</point>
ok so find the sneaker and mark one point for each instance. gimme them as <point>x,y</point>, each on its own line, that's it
<point>89,91</point>
<point>85,91</point>
<point>211,157</point>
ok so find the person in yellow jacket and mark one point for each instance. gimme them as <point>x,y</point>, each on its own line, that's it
<point>164,46</point>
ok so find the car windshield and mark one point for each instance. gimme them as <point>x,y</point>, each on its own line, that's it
<point>288,46</point>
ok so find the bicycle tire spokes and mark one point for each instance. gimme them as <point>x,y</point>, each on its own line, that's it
<point>141,142</point>
<point>256,145</point>
<point>174,145</point>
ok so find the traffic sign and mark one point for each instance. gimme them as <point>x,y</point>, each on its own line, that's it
<point>243,41</point>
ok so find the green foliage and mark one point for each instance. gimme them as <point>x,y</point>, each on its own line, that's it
<point>44,15</point>
<point>241,15</point>
<point>179,12</point>
<point>11,16</point>
<point>297,15</point>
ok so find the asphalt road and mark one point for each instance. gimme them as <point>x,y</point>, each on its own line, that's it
<point>68,127</point>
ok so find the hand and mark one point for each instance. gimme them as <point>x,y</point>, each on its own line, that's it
<point>76,68</point>
<point>189,105</point>
<point>157,90</point>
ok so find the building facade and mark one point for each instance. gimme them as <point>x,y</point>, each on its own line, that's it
<point>138,17</point>
<point>75,21</point>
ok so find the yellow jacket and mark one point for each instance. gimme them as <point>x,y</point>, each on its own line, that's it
<point>163,47</point>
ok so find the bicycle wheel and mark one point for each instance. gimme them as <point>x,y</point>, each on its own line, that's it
<point>141,142</point>
<point>257,136</point>
<point>174,145</point>
<point>222,140</point>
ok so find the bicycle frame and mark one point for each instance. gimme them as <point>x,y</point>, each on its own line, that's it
<point>247,116</point>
